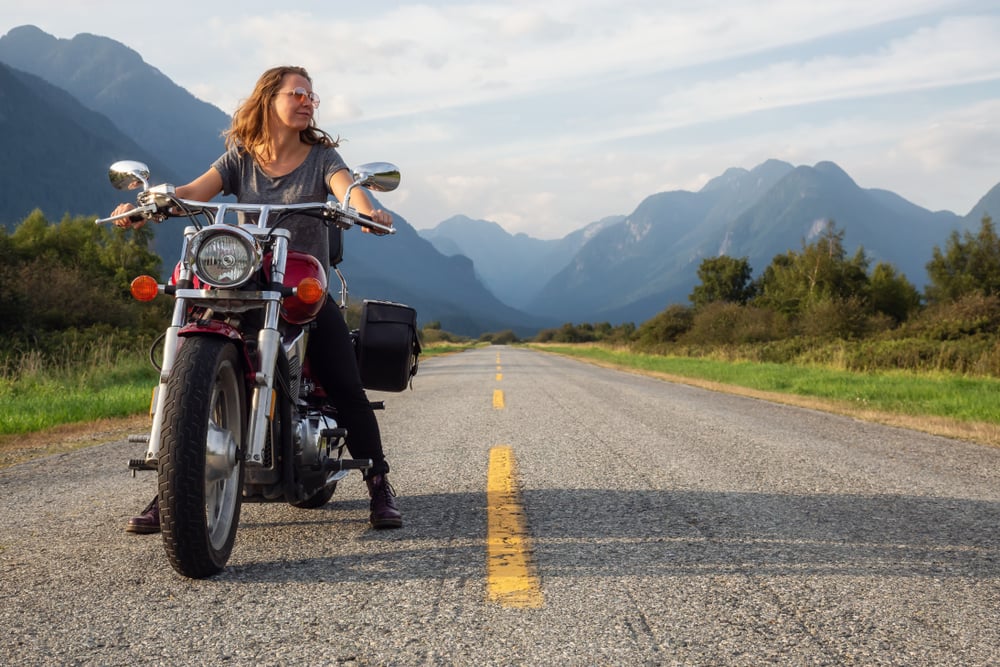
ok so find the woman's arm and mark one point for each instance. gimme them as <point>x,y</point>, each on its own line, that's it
<point>202,188</point>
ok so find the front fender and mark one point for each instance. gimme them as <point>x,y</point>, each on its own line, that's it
<point>214,327</point>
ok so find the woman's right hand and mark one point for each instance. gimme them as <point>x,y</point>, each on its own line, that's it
<point>125,223</point>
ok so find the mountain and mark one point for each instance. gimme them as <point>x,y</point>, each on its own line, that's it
<point>62,148</point>
<point>184,132</point>
<point>635,268</point>
<point>406,268</point>
<point>139,101</point>
<point>631,269</point>
<point>988,205</point>
<point>889,228</point>
<point>514,267</point>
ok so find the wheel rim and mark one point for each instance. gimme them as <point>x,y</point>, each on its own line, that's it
<point>222,467</point>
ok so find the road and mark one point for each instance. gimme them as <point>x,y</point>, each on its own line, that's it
<point>656,524</point>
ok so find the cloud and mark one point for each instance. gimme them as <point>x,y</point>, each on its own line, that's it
<point>433,57</point>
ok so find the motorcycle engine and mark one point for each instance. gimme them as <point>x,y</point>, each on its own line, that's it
<point>313,448</point>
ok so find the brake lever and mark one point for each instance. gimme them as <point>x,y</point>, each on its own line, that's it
<point>137,214</point>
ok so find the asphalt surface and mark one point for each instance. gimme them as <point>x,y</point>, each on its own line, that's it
<point>667,524</point>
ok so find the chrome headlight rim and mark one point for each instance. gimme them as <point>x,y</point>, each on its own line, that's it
<point>239,266</point>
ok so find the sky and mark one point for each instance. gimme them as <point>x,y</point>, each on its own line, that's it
<point>545,117</point>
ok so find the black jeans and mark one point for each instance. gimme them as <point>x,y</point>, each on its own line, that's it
<point>333,362</point>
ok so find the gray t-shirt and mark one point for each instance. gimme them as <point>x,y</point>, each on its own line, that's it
<point>309,182</point>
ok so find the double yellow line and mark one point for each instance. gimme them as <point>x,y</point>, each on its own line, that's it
<point>511,577</point>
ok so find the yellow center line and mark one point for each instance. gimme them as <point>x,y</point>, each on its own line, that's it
<point>498,399</point>
<point>499,377</point>
<point>511,577</point>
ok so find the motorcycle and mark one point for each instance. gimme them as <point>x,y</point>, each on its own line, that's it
<point>236,416</point>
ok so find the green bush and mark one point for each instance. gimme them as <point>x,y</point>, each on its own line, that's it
<point>725,323</point>
<point>431,335</point>
<point>969,315</point>
<point>501,338</point>
<point>835,318</point>
<point>666,327</point>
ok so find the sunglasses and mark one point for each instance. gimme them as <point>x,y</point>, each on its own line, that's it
<point>301,95</point>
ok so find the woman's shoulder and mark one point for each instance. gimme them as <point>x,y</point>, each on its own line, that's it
<point>327,155</point>
<point>323,150</point>
<point>234,154</point>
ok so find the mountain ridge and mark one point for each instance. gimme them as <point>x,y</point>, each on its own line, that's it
<point>757,213</point>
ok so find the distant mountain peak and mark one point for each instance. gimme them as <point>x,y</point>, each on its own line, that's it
<point>773,163</point>
<point>31,32</point>
<point>832,170</point>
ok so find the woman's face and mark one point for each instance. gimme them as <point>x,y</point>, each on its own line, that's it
<point>290,109</point>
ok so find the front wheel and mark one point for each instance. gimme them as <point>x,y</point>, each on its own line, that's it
<point>200,462</point>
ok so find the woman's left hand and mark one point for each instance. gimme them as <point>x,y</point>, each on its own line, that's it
<point>381,217</point>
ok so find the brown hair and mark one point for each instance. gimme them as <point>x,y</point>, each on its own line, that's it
<point>249,132</point>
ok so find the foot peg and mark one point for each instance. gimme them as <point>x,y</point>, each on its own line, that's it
<point>336,465</point>
<point>142,464</point>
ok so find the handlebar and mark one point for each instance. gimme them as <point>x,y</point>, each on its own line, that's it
<point>163,204</point>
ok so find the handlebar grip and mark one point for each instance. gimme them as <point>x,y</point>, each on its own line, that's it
<point>374,227</point>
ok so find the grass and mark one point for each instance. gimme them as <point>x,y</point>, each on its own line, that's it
<point>42,398</point>
<point>36,395</point>
<point>438,349</point>
<point>94,394</point>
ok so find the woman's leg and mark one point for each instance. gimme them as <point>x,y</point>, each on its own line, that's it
<point>333,361</point>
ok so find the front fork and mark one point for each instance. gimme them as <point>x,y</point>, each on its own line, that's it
<point>170,341</point>
<point>262,404</point>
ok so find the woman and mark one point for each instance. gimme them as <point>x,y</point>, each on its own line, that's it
<point>275,154</point>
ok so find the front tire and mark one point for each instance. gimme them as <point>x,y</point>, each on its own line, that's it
<point>202,441</point>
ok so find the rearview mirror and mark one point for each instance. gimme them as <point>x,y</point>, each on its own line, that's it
<point>129,175</point>
<point>378,176</point>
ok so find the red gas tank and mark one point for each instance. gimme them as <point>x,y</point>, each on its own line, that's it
<point>299,265</point>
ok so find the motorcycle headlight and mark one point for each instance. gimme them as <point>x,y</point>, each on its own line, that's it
<point>224,257</point>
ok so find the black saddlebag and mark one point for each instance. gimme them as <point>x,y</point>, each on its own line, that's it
<point>387,345</point>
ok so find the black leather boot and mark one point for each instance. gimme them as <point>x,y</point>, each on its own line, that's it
<point>384,513</point>
<point>147,522</point>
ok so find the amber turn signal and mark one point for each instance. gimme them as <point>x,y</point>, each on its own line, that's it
<point>144,288</point>
<point>310,290</point>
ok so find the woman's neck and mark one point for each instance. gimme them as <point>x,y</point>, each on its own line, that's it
<point>285,152</point>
